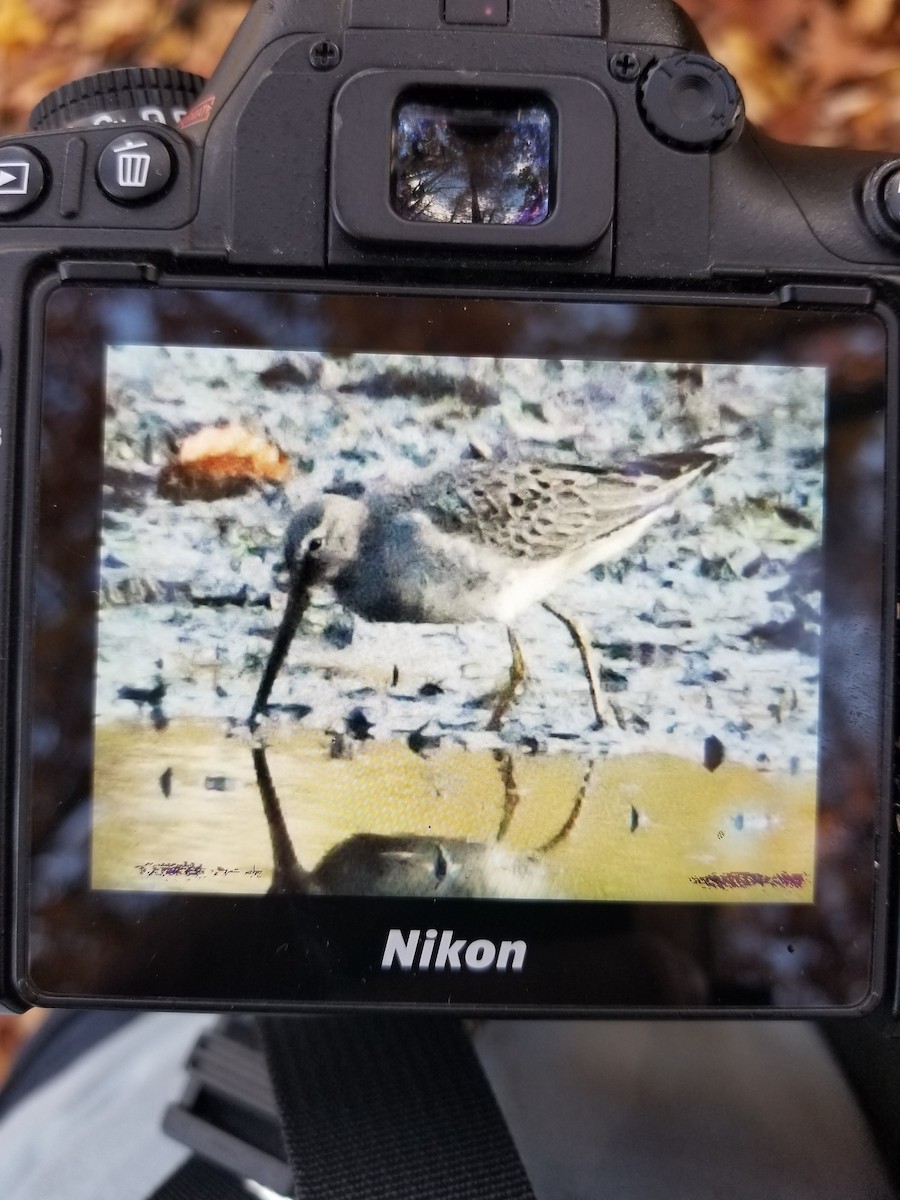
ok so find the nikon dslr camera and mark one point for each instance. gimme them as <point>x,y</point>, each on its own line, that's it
<point>448,558</point>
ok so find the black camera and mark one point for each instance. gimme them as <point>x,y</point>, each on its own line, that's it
<point>448,555</point>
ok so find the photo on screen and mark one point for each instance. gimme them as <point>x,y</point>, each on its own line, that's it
<point>418,625</point>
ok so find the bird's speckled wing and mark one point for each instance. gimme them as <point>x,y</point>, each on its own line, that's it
<point>540,510</point>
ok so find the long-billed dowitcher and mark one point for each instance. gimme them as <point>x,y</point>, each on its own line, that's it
<point>482,542</point>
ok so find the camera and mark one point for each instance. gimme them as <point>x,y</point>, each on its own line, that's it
<point>448,552</point>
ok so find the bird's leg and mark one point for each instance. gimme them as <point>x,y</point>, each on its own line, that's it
<point>579,637</point>
<point>511,796</point>
<point>517,676</point>
<point>575,813</point>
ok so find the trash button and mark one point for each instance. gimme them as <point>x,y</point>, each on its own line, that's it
<point>135,167</point>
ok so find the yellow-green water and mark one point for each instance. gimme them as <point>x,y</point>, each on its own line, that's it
<point>647,827</point>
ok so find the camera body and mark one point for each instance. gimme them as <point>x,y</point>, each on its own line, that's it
<point>553,224</point>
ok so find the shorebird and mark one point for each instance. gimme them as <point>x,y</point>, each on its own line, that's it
<point>482,542</point>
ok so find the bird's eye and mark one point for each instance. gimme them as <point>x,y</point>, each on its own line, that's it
<point>315,545</point>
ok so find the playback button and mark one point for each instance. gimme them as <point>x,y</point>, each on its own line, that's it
<point>22,179</point>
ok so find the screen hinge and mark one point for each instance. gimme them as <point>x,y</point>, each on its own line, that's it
<point>828,294</point>
<point>106,272</point>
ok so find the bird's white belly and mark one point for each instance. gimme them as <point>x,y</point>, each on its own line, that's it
<point>483,584</point>
<point>525,586</point>
<point>517,584</point>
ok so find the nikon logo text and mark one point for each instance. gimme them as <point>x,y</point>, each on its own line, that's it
<point>439,952</point>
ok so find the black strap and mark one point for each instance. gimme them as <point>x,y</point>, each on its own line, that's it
<point>376,1107</point>
<point>389,1107</point>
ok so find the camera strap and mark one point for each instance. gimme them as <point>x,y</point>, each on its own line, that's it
<point>371,1107</point>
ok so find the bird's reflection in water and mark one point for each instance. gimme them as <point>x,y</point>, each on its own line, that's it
<point>415,865</point>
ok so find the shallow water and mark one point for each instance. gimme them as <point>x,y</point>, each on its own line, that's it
<point>181,809</point>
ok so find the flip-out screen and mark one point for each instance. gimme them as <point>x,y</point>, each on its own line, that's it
<point>432,599</point>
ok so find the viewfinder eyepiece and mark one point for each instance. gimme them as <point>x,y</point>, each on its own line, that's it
<point>476,159</point>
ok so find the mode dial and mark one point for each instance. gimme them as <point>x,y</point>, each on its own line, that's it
<point>128,96</point>
<point>691,102</point>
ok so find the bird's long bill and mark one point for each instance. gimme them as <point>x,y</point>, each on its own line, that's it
<point>298,601</point>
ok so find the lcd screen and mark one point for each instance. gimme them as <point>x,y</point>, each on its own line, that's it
<point>655,526</point>
<point>573,606</point>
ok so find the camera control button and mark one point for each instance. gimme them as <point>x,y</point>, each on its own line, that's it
<point>890,196</point>
<point>22,180</point>
<point>691,101</point>
<point>135,167</point>
<point>125,96</point>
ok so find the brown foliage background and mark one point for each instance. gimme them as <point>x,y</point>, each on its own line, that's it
<point>818,71</point>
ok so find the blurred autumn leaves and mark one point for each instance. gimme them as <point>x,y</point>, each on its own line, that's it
<point>44,43</point>
<point>823,72</point>
<point>819,71</point>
